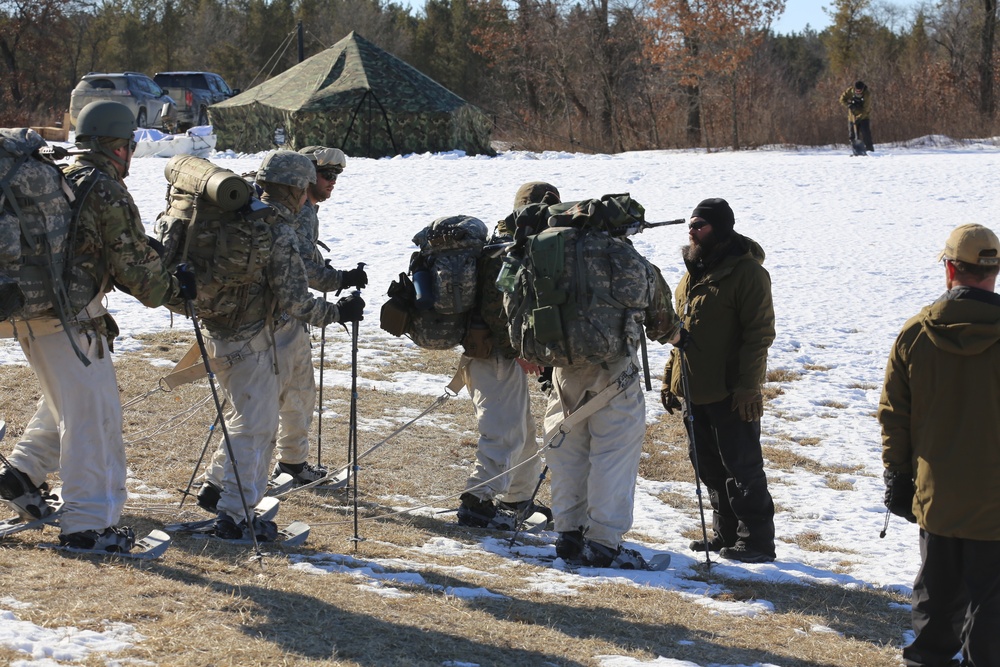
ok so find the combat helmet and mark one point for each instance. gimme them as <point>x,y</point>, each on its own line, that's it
<point>106,119</point>
<point>287,168</point>
<point>325,158</point>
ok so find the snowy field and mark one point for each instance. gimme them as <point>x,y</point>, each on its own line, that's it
<point>851,247</point>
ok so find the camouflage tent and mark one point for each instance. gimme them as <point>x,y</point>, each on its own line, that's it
<point>356,97</point>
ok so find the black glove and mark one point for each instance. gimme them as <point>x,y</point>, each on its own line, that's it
<point>354,278</point>
<point>899,494</point>
<point>545,380</point>
<point>187,286</point>
<point>351,308</point>
<point>669,401</point>
<point>684,341</point>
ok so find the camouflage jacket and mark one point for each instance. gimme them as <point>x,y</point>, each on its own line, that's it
<point>110,243</point>
<point>322,278</point>
<point>286,272</point>
<point>283,288</point>
<point>490,300</point>
<point>661,321</point>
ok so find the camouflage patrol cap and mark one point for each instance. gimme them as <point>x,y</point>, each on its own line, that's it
<point>105,119</point>
<point>326,158</point>
<point>972,244</point>
<point>535,192</point>
<point>287,168</point>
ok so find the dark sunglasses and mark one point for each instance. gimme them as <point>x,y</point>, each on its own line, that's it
<point>132,143</point>
<point>328,174</point>
<point>699,224</point>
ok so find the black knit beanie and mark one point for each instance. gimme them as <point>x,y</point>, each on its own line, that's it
<point>717,212</point>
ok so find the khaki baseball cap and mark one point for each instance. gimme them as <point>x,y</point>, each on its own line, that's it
<point>972,244</point>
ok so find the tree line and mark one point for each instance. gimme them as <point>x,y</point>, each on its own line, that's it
<point>588,75</point>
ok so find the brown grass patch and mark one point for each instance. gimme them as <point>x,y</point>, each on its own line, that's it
<point>785,459</point>
<point>815,367</point>
<point>833,404</point>
<point>867,386</point>
<point>205,603</point>
<point>783,375</point>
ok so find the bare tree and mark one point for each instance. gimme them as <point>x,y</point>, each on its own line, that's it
<point>709,41</point>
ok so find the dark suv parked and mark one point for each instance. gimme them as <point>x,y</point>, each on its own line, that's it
<point>193,93</point>
<point>136,91</point>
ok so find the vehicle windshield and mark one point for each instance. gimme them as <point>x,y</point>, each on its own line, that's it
<point>180,80</point>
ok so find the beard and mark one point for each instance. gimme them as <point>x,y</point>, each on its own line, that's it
<point>699,249</point>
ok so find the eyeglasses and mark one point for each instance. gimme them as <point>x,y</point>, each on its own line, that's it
<point>132,143</point>
<point>699,224</point>
<point>328,174</point>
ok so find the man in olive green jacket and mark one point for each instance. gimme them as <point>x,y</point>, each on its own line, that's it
<point>725,303</point>
<point>858,100</point>
<point>941,451</point>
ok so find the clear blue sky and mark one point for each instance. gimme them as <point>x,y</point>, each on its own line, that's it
<point>798,13</point>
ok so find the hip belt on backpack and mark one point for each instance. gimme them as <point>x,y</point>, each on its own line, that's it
<point>191,367</point>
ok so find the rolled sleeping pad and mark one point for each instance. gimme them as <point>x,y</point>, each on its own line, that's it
<point>222,187</point>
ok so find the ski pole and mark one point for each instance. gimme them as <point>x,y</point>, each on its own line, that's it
<point>352,435</point>
<point>319,426</point>
<point>645,363</point>
<point>222,423</point>
<point>354,358</point>
<point>201,457</point>
<point>689,423</point>
<point>522,515</point>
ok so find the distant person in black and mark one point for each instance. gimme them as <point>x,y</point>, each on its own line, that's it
<point>858,100</point>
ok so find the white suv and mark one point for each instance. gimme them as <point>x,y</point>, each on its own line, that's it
<point>150,104</point>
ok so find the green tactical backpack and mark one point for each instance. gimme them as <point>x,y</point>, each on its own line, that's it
<point>214,224</point>
<point>433,308</point>
<point>579,293</point>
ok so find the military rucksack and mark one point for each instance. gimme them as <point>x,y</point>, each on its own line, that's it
<point>579,293</point>
<point>433,308</point>
<point>214,224</point>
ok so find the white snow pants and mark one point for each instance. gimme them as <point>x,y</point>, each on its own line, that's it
<point>250,388</point>
<point>595,467</point>
<point>76,430</point>
<point>296,392</point>
<point>499,390</point>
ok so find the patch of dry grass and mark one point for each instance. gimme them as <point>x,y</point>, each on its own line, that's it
<point>204,603</point>
<point>783,375</point>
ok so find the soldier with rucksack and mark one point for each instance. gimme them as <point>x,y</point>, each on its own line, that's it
<point>297,397</point>
<point>497,382</point>
<point>580,300</point>
<point>242,345</point>
<point>66,332</point>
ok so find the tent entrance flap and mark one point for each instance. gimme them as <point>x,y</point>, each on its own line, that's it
<point>367,105</point>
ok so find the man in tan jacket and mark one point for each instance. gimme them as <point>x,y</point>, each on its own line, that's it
<point>941,451</point>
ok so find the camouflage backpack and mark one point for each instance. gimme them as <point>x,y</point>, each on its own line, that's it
<point>433,308</point>
<point>579,292</point>
<point>36,227</point>
<point>214,224</point>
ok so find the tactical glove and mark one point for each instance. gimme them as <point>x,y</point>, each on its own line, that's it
<point>684,340</point>
<point>187,286</point>
<point>351,308</point>
<point>669,401</point>
<point>354,278</point>
<point>748,404</point>
<point>899,494</point>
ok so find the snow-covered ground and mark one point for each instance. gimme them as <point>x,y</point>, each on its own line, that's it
<point>851,247</point>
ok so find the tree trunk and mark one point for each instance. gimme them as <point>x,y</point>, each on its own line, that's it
<point>987,102</point>
<point>735,112</point>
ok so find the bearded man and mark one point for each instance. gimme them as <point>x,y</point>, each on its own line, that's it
<point>725,303</point>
